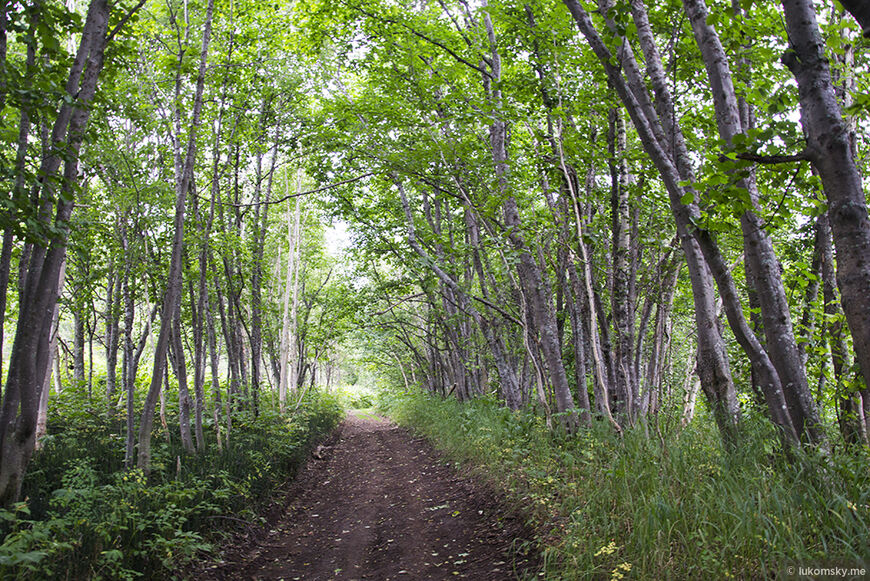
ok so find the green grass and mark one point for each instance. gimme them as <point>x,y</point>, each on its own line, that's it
<point>367,413</point>
<point>678,507</point>
<point>85,518</point>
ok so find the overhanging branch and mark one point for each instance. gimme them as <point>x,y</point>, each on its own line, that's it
<point>773,159</point>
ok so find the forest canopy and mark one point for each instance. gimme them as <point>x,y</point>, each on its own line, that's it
<point>621,213</point>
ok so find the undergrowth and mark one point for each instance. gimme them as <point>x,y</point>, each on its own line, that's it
<point>671,507</point>
<point>86,518</point>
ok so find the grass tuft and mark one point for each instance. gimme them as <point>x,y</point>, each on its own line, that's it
<point>679,507</point>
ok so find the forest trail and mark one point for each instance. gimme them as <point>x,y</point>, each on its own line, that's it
<point>382,505</point>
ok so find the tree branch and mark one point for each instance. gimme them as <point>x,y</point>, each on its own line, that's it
<point>290,196</point>
<point>124,20</point>
<point>772,159</point>
<point>424,37</point>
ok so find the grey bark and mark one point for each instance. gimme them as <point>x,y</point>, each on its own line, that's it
<point>173,291</point>
<point>673,167</point>
<point>758,248</point>
<point>528,271</point>
<point>622,308</point>
<point>829,147</point>
<point>30,349</point>
<point>113,331</point>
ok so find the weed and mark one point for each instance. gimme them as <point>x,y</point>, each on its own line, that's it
<point>680,508</point>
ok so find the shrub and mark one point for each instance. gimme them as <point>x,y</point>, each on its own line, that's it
<point>98,522</point>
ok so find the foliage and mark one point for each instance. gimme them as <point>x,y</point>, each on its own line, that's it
<point>675,506</point>
<point>99,523</point>
<point>357,397</point>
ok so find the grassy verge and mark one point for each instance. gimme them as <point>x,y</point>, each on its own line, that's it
<point>85,519</point>
<point>675,507</point>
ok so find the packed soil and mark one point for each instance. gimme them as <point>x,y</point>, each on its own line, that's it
<point>378,503</point>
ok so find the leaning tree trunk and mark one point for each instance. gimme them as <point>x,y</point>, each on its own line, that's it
<point>758,248</point>
<point>675,169</point>
<point>30,348</point>
<point>712,365</point>
<point>830,150</point>
<point>173,289</point>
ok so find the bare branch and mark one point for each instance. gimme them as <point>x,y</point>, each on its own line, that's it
<point>124,20</point>
<point>299,194</point>
<point>772,159</point>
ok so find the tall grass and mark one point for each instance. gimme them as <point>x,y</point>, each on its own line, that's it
<point>675,506</point>
<point>86,518</point>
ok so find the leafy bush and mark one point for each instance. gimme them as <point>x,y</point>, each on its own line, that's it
<point>97,522</point>
<point>357,398</point>
<point>676,507</point>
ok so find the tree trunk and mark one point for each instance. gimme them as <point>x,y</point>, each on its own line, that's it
<point>113,331</point>
<point>673,163</point>
<point>30,349</point>
<point>847,400</point>
<point>173,290</point>
<point>179,365</point>
<point>528,270</point>
<point>290,291</point>
<point>42,413</point>
<point>622,307</point>
<point>758,248</point>
<point>209,315</point>
<point>829,147</point>
<point>78,340</point>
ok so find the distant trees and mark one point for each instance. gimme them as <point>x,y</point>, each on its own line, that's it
<point>537,219</point>
<point>203,255</point>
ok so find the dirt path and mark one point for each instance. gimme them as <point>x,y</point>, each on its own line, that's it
<point>381,505</point>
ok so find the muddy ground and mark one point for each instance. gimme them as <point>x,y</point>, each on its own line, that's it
<point>378,503</point>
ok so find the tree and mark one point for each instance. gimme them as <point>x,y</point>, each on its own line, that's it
<point>184,159</point>
<point>54,192</point>
<point>830,151</point>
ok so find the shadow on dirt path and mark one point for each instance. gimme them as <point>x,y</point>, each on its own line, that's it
<point>379,504</point>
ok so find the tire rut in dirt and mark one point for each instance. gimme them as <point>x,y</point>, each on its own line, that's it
<point>382,505</point>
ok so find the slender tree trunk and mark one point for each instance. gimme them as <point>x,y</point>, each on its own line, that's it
<point>113,312</point>
<point>289,286</point>
<point>173,290</point>
<point>528,270</point>
<point>78,339</point>
<point>601,383</point>
<point>261,226</point>
<point>209,315</point>
<point>675,168</point>
<point>128,370</point>
<point>42,414</point>
<point>758,248</point>
<point>19,192</point>
<point>847,401</point>
<point>179,364</point>
<point>197,311</point>
<point>622,309</point>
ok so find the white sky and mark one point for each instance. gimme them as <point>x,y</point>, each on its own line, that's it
<point>337,238</point>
